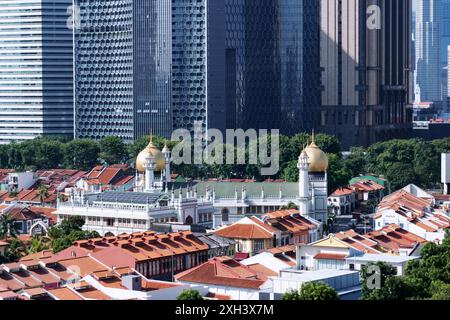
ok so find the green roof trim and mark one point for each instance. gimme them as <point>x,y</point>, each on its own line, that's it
<point>380,181</point>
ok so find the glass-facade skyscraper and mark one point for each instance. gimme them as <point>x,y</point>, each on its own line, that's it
<point>36,63</point>
<point>272,64</point>
<point>366,72</point>
<point>123,69</point>
<point>149,66</point>
<point>428,60</point>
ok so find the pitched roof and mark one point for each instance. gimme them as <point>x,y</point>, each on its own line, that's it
<point>65,293</point>
<point>392,238</point>
<point>289,220</point>
<point>224,272</point>
<point>247,228</point>
<point>344,191</point>
<point>366,186</point>
<point>22,213</point>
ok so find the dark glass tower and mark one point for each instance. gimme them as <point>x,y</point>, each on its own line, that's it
<point>366,73</point>
<point>272,60</point>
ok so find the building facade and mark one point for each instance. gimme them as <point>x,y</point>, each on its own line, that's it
<point>36,90</point>
<point>428,61</point>
<point>123,69</point>
<point>272,64</point>
<point>444,45</point>
<point>146,66</point>
<point>366,77</point>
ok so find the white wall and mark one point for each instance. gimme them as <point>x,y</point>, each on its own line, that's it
<point>234,292</point>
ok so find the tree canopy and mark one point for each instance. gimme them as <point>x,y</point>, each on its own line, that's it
<point>68,231</point>
<point>190,295</point>
<point>400,161</point>
<point>425,278</point>
<point>310,291</point>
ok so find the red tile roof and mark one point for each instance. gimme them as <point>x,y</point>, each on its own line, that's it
<point>341,192</point>
<point>224,272</point>
<point>366,186</point>
<point>392,238</point>
<point>244,231</point>
<point>65,294</point>
<point>114,175</point>
<point>330,256</point>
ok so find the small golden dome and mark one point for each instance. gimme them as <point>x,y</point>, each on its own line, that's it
<point>150,150</point>
<point>318,160</point>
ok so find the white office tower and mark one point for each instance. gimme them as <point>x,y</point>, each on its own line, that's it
<point>36,69</point>
<point>445,172</point>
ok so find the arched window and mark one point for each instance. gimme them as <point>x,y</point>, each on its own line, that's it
<point>225,215</point>
<point>189,220</point>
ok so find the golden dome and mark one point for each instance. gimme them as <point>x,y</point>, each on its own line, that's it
<point>318,160</point>
<point>153,151</point>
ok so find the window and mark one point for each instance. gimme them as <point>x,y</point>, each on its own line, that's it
<point>225,215</point>
<point>258,245</point>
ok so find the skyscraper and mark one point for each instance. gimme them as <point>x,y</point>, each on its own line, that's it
<point>366,78</point>
<point>448,79</point>
<point>272,64</point>
<point>445,42</point>
<point>123,68</point>
<point>36,62</point>
<point>428,61</point>
<point>198,31</point>
<point>148,65</point>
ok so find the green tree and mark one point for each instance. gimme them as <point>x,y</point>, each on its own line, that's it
<point>290,172</point>
<point>43,193</point>
<point>338,174</point>
<point>49,154</point>
<point>70,230</point>
<point>317,291</point>
<point>440,290</point>
<point>292,295</point>
<point>7,226</point>
<point>190,295</point>
<point>37,245</point>
<point>113,150</point>
<point>73,223</point>
<point>356,161</point>
<point>81,154</point>
<point>374,281</point>
<point>13,252</point>
<point>289,206</point>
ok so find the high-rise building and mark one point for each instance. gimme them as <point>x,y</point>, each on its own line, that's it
<point>428,61</point>
<point>448,79</point>
<point>36,63</point>
<point>198,63</point>
<point>123,68</point>
<point>149,66</point>
<point>272,64</point>
<point>445,42</point>
<point>366,70</point>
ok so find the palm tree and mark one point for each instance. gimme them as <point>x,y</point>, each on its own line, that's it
<point>37,245</point>
<point>7,226</point>
<point>290,206</point>
<point>43,193</point>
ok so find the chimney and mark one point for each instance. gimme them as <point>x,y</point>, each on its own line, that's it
<point>132,282</point>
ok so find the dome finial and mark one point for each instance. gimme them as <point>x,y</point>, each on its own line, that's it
<point>313,138</point>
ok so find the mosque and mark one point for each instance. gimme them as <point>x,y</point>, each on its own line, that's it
<point>156,199</point>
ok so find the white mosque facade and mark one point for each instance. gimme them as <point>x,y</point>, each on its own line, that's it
<point>157,200</point>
